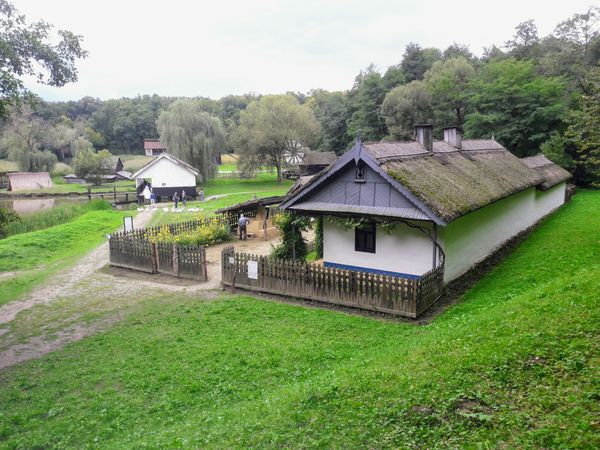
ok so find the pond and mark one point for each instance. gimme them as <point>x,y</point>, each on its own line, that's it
<point>27,206</point>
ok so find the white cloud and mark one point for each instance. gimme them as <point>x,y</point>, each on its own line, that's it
<point>236,46</point>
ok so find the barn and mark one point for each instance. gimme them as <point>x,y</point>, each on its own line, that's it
<point>166,175</point>
<point>406,208</point>
<point>22,181</point>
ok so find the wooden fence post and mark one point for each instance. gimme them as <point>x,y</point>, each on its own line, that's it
<point>176,260</point>
<point>154,258</point>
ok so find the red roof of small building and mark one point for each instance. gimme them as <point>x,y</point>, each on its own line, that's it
<point>153,144</point>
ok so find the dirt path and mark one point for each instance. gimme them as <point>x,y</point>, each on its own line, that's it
<point>65,281</point>
<point>54,314</point>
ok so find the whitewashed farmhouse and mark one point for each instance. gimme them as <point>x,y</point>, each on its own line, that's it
<point>423,201</point>
<point>167,175</point>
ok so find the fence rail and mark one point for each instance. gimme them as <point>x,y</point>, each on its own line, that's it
<point>365,290</point>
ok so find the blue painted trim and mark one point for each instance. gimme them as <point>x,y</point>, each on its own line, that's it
<point>366,269</point>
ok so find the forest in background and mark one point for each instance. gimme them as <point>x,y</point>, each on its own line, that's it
<point>532,93</point>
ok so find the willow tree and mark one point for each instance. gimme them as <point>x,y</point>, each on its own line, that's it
<point>193,135</point>
<point>271,126</point>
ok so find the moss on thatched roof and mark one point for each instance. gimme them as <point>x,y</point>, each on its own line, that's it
<point>454,184</point>
<point>552,173</point>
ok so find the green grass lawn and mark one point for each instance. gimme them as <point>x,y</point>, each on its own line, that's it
<point>37,255</point>
<point>264,182</point>
<point>514,365</point>
<point>236,190</point>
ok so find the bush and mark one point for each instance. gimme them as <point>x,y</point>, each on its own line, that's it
<point>61,169</point>
<point>209,234</point>
<point>292,243</point>
<point>7,218</point>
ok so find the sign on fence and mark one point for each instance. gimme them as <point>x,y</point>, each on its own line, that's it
<point>127,224</point>
<point>253,270</point>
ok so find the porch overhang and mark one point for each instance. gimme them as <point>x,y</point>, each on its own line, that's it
<point>345,210</point>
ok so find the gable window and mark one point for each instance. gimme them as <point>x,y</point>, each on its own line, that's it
<point>359,175</point>
<point>364,238</point>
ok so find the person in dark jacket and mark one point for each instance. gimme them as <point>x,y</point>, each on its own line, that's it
<point>176,199</point>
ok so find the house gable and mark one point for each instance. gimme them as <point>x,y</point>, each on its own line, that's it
<point>334,191</point>
<point>374,191</point>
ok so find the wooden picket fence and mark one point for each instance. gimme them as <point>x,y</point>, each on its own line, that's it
<point>133,250</point>
<point>364,290</point>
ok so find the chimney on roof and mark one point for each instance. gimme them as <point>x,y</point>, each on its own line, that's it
<point>424,136</point>
<point>453,136</point>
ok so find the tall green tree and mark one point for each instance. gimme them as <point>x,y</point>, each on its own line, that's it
<point>193,135</point>
<point>271,126</point>
<point>584,130</point>
<point>516,105</point>
<point>28,50</point>
<point>417,60</point>
<point>406,105</point>
<point>331,111</point>
<point>448,83</point>
<point>365,101</point>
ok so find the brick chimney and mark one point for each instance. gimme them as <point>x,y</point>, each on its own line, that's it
<point>424,136</point>
<point>453,136</point>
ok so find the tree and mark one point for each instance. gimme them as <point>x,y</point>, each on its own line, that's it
<point>270,126</point>
<point>448,83</point>
<point>555,149</point>
<point>416,61</point>
<point>524,43</point>
<point>365,99</point>
<point>23,142</point>
<point>584,129</point>
<point>516,105</point>
<point>27,50</point>
<point>193,135</point>
<point>404,106</point>
<point>458,50</point>
<point>331,111</point>
<point>90,165</point>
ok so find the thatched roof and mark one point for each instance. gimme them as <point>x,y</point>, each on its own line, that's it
<point>552,173</point>
<point>318,159</point>
<point>445,183</point>
<point>454,184</point>
<point>18,181</point>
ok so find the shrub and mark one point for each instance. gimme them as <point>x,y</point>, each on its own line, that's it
<point>212,233</point>
<point>292,243</point>
<point>7,218</point>
<point>61,169</point>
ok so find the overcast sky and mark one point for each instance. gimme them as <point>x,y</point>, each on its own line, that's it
<point>215,48</point>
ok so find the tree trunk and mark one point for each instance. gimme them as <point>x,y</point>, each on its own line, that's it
<point>278,166</point>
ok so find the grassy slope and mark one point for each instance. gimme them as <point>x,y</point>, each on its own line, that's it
<point>61,187</point>
<point>39,254</point>
<point>523,345</point>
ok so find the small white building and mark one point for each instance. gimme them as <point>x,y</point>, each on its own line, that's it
<point>167,175</point>
<point>400,208</point>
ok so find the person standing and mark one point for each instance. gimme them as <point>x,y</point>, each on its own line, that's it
<point>176,199</point>
<point>242,223</point>
<point>184,199</point>
<point>152,198</point>
<point>201,195</point>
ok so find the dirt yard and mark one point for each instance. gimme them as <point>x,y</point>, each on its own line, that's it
<point>92,296</point>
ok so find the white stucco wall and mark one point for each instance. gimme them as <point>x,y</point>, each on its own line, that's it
<point>471,238</point>
<point>165,173</point>
<point>405,250</point>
